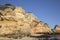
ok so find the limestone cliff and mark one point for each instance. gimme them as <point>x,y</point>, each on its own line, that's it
<point>14,19</point>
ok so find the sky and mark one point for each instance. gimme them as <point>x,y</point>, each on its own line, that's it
<point>47,11</point>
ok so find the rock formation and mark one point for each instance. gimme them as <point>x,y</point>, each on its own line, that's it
<point>9,19</point>
<point>41,28</point>
<point>56,29</point>
<point>14,19</point>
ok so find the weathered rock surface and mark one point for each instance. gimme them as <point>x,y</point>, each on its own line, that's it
<point>9,19</point>
<point>56,29</point>
<point>41,27</point>
<point>14,20</point>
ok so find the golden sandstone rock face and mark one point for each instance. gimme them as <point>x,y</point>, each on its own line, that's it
<point>14,19</point>
<point>56,29</point>
<point>41,27</point>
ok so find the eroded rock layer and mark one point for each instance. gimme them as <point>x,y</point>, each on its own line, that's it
<point>14,19</point>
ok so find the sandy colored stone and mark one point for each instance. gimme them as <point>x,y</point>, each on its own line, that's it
<point>7,27</point>
<point>56,29</point>
<point>33,20</point>
<point>19,10</point>
<point>14,19</point>
<point>41,27</point>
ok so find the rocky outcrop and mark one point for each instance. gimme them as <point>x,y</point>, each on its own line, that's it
<point>11,20</point>
<point>14,20</point>
<point>41,28</point>
<point>56,29</point>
